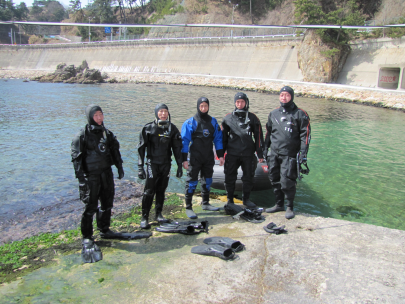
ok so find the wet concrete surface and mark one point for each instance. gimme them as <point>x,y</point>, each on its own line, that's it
<point>63,214</point>
<point>319,260</point>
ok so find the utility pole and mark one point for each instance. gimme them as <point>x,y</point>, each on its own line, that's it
<point>251,17</point>
<point>233,10</point>
<point>89,30</point>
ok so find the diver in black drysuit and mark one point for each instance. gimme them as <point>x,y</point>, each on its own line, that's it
<point>159,138</point>
<point>238,130</point>
<point>288,132</point>
<point>94,150</point>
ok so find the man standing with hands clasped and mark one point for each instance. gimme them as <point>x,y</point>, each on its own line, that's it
<point>198,134</point>
<point>288,135</point>
<point>242,138</point>
<point>158,138</point>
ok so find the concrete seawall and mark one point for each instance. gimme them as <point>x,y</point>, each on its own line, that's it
<point>369,58</point>
<point>260,58</point>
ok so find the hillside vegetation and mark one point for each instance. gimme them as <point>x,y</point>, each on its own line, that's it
<point>262,12</point>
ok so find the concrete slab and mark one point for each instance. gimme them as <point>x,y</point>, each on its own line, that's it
<point>320,260</point>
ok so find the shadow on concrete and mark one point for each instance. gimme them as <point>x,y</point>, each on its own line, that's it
<point>306,201</point>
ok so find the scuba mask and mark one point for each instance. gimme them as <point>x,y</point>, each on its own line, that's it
<point>167,126</point>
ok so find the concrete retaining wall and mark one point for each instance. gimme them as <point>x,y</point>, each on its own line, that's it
<point>275,59</point>
<point>264,58</point>
<point>370,59</point>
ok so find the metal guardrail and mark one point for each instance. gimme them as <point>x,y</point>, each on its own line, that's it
<point>163,41</point>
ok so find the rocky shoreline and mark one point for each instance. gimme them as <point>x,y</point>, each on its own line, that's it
<point>367,96</point>
<point>64,214</point>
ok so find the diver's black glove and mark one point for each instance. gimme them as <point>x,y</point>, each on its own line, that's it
<point>120,172</point>
<point>302,157</point>
<point>179,171</point>
<point>84,190</point>
<point>141,172</point>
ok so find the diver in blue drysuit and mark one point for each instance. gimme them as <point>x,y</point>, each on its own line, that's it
<point>198,134</point>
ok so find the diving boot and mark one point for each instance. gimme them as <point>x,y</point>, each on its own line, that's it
<point>289,213</point>
<point>189,207</point>
<point>275,208</point>
<point>249,204</point>
<point>144,223</point>
<point>160,218</point>
<point>191,214</point>
<point>205,205</point>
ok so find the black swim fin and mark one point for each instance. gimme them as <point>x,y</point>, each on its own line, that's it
<point>125,235</point>
<point>250,215</point>
<point>225,242</point>
<point>215,250</point>
<point>176,228</point>
<point>201,226</point>
<point>91,253</point>
<point>272,228</point>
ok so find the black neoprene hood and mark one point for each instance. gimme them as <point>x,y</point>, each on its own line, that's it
<point>291,92</point>
<point>90,110</point>
<point>243,96</point>
<point>158,107</point>
<point>199,102</point>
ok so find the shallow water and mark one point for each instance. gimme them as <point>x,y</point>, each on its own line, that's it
<point>356,156</point>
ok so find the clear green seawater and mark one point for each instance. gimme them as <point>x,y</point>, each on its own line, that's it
<point>356,157</point>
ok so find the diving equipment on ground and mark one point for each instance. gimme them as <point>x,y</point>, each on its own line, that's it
<point>91,253</point>
<point>188,227</point>
<point>272,228</point>
<point>225,242</point>
<point>248,214</point>
<point>215,250</point>
<point>125,235</point>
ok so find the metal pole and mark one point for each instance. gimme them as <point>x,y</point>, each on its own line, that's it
<point>233,9</point>
<point>11,35</point>
<point>89,30</point>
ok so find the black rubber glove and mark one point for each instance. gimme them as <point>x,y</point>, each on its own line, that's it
<point>84,190</point>
<point>141,172</point>
<point>179,171</point>
<point>120,172</point>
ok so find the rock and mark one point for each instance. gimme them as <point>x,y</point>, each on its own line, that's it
<point>70,74</point>
<point>319,61</point>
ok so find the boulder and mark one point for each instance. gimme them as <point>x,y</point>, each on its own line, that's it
<point>319,61</point>
<point>71,74</point>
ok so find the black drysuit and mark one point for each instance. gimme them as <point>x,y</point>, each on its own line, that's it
<point>288,132</point>
<point>241,139</point>
<point>94,150</point>
<point>158,143</point>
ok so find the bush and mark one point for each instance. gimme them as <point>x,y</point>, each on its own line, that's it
<point>34,39</point>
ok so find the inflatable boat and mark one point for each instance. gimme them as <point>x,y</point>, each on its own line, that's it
<point>261,179</point>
